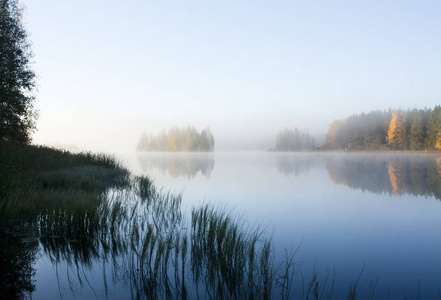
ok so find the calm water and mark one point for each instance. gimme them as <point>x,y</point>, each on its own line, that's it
<point>344,212</point>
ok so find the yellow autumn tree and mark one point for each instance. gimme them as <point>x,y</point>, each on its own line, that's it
<point>396,135</point>
<point>172,139</point>
<point>392,127</point>
<point>438,141</point>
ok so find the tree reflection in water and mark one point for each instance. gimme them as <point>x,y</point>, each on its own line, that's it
<point>289,164</point>
<point>178,164</point>
<point>18,253</point>
<point>418,175</point>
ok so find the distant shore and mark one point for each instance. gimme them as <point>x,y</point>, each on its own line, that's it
<point>362,151</point>
<point>384,151</point>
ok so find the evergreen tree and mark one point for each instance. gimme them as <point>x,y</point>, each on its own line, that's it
<point>417,130</point>
<point>433,128</point>
<point>293,140</point>
<point>17,80</point>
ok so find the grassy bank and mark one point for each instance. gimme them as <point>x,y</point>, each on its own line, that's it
<point>47,196</point>
<point>27,168</point>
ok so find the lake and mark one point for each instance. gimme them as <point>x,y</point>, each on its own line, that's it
<point>345,216</point>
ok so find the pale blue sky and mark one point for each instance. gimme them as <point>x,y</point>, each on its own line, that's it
<point>110,70</point>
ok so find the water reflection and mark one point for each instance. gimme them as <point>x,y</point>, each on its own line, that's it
<point>135,241</point>
<point>17,258</point>
<point>177,165</point>
<point>394,174</point>
<point>140,239</point>
<point>294,164</point>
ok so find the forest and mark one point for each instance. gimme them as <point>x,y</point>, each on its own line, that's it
<point>293,140</point>
<point>178,140</point>
<point>416,129</point>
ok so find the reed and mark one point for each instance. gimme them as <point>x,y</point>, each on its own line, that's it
<point>230,259</point>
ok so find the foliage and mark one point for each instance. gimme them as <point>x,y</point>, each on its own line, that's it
<point>434,129</point>
<point>293,140</point>
<point>17,79</point>
<point>417,129</point>
<point>185,139</point>
<point>396,135</point>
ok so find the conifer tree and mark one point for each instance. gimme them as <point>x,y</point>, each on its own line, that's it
<point>17,79</point>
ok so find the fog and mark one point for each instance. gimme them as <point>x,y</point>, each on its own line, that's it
<point>122,134</point>
<point>108,73</point>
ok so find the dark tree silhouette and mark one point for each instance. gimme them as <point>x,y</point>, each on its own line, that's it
<point>17,79</point>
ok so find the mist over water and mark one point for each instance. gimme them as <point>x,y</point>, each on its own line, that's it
<point>222,225</point>
<point>345,210</point>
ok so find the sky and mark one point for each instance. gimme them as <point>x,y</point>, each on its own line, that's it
<point>107,71</point>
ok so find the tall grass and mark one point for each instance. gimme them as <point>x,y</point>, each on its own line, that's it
<point>229,259</point>
<point>24,167</point>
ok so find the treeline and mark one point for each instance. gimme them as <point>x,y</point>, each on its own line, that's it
<point>293,140</point>
<point>178,140</point>
<point>417,129</point>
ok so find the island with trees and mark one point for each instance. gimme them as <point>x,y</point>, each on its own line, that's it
<point>293,140</point>
<point>178,140</point>
<point>417,129</point>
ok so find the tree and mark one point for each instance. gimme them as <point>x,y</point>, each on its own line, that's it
<point>210,139</point>
<point>172,141</point>
<point>433,128</point>
<point>293,140</point>
<point>396,136</point>
<point>17,79</point>
<point>417,130</point>
<point>334,137</point>
<point>190,139</point>
<point>178,139</point>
